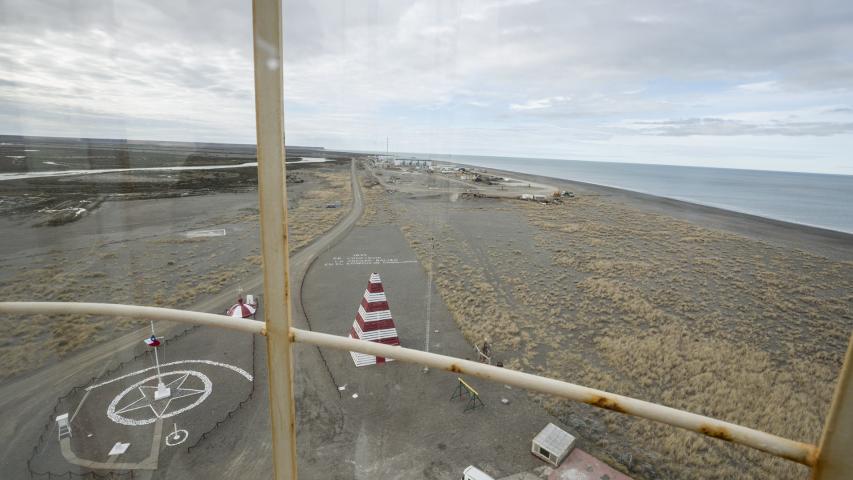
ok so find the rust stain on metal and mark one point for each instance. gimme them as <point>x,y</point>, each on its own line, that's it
<point>292,337</point>
<point>455,368</point>
<point>608,403</point>
<point>717,432</point>
<point>811,458</point>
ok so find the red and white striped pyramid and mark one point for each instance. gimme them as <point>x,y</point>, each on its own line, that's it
<point>241,309</point>
<point>373,322</point>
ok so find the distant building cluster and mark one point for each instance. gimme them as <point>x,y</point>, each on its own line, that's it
<point>392,161</point>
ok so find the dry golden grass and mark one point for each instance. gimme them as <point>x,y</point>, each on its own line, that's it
<point>33,340</point>
<point>377,205</point>
<point>645,305</point>
<point>310,218</point>
<point>149,273</point>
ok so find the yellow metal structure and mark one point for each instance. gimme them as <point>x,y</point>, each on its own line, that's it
<point>272,190</point>
<point>470,389</point>
<point>835,460</point>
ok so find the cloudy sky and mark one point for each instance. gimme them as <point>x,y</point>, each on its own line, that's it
<point>730,83</point>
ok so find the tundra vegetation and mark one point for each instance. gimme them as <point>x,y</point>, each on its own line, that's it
<point>600,293</point>
<point>173,271</point>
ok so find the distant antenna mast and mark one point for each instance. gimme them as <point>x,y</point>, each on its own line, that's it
<point>387,148</point>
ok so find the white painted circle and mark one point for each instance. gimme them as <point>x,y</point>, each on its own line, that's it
<point>177,437</point>
<point>111,410</point>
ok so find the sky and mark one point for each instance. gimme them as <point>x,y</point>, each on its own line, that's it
<point>727,83</point>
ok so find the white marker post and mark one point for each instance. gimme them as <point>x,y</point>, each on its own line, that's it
<point>162,390</point>
<point>177,437</point>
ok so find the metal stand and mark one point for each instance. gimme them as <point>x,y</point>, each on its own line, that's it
<point>463,390</point>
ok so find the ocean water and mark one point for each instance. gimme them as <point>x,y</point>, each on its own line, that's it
<point>814,199</point>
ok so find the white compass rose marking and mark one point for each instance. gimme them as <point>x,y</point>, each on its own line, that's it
<point>159,408</point>
<point>179,362</point>
<point>177,437</point>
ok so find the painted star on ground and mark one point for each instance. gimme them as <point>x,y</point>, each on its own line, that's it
<point>159,407</point>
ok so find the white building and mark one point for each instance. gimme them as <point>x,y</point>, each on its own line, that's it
<point>553,444</point>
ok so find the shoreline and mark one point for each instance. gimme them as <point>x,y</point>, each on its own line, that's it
<point>644,296</point>
<point>826,242</point>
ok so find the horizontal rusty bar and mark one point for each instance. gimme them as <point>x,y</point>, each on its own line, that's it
<point>778,446</point>
<point>135,311</point>
<point>781,447</point>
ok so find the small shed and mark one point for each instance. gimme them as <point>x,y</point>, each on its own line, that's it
<point>552,444</point>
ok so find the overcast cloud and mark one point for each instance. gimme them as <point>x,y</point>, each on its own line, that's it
<point>758,84</point>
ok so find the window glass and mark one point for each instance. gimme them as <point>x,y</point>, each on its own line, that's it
<point>647,199</point>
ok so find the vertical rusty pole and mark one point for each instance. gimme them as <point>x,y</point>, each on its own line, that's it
<point>835,454</point>
<point>269,119</point>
